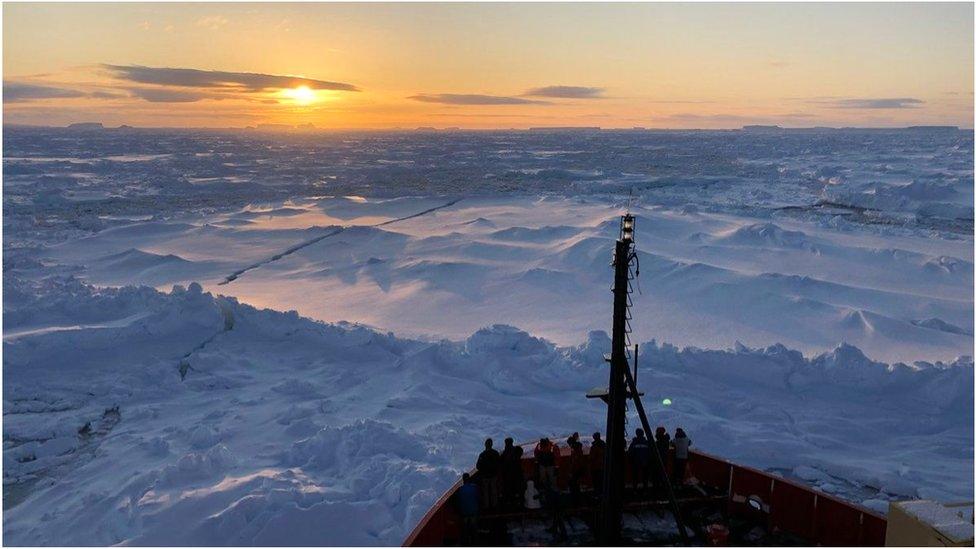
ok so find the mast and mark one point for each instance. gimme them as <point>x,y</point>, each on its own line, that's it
<point>623,385</point>
<point>614,466</point>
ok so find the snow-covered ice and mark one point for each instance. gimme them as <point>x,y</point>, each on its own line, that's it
<point>809,296</point>
<point>708,279</point>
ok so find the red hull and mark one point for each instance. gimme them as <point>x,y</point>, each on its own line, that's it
<point>787,506</point>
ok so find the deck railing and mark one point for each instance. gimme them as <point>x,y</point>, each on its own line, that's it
<point>789,506</point>
<point>778,503</point>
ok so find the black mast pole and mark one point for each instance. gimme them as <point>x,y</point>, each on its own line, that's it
<point>611,507</point>
<point>623,385</point>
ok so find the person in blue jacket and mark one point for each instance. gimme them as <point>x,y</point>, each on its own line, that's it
<point>468,501</point>
<point>639,455</point>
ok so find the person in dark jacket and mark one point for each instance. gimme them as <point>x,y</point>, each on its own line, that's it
<point>467,502</point>
<point>577,468</point>
<point>639,454</point>
<point>513,479</point>
<point>681,444</point>
<point>598,450</point>
<point>546,453</point>
<point>662,440</point>
<point>489,465</point>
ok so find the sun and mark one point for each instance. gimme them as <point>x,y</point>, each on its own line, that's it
<point>303,95</point>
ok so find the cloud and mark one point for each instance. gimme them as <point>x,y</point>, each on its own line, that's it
<point>679,102</point>
<point>105,95</point>
<point>164,95</point>
<point>17,92</point>
<point>473,99</point>
<point>196,78</point>
<point>567,92</point>
<point>872,103</point>
<point>14,92</point>
<point>170,95</point>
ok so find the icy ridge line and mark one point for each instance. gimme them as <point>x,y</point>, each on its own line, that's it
<point>775,364</point>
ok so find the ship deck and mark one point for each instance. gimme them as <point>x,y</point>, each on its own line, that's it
<point>647,520</point>
<point>753,507</point>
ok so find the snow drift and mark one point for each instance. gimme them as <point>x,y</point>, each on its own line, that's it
<point>234,425</point>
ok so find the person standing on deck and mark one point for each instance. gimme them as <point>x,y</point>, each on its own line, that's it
<point>681,444</point>
<point>513,479</point>
<point>639,455</point>
<point>598,450</point>
<point>546,453</point>
<point>662,440</point>
<point>577,468</point>
<point>467,502</point>
<point>489,463</point>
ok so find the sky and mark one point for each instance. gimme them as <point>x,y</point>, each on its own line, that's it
<point>488,65</point>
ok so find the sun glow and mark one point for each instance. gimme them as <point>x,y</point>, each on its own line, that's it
<point>302,95</point>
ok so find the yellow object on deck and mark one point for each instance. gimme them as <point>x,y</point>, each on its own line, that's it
<point>923,523</point>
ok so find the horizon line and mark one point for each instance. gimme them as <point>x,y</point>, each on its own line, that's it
<point>286,128</point>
